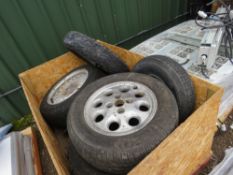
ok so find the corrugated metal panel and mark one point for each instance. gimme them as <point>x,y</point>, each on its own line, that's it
<point>32,33</point>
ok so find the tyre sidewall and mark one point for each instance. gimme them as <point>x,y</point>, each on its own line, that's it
<point>56,114</point>
<point>93,146</point>
<point>94,53</point>
<point>174,76</point>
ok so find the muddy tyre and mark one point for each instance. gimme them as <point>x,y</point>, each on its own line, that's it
<point>55,104</point>
<point>174,76</point>
<point>121,118</point>
<point>94,53</point>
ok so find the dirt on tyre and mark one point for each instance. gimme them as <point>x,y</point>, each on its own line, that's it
<point>121,118</point>
<point>174,76</point>
<point>55,104</point>
<point>94,53</point>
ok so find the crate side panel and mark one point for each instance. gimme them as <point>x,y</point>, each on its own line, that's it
<point>50,141</point>
<point>188,147</point>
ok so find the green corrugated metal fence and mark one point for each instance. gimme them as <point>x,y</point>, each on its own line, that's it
<point>32,32</point>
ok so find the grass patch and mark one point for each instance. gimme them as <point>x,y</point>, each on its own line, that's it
<point>22,123</point>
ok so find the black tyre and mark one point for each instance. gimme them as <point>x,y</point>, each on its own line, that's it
<point>78,166</point>
<point>94,53</point>
<point>121,118</point>
<point>56,102</point>
<point>174,76</point>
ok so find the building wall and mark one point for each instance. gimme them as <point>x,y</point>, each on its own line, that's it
<point>32,32</point>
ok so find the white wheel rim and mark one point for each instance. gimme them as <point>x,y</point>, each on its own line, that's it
<point>67,87</point>
<point>120,108</point>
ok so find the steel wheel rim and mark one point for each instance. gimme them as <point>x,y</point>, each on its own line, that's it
<point>67,87</point>
<point>120,108</point>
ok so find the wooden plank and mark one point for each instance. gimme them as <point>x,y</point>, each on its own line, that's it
<point>35,151</point>
<point>185,150</point>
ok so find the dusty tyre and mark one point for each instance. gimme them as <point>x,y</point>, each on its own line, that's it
<point>78,166</point>
<point>174,76</point>
<point>56,102</point>
<point>121,118</point>
<point>94,53</point>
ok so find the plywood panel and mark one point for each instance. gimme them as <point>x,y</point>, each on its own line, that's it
<point>185,150</point>
<point>50,140</point>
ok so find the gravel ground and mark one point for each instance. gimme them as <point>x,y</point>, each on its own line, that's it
<point>222,141</point>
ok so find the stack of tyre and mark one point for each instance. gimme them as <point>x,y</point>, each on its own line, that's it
<point>115,117</point>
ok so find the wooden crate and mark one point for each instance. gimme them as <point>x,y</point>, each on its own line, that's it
<point>184,151</point>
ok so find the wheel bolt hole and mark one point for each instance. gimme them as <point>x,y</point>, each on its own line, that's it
<point>139,95</point>
<point>113,126</point>
<point>108,94</point>
<point>121,110</point>
<point>99,118</point>
<point>133,121</point>
<point>119,103</point>
<point>98,104</point>
<point>124,89</point>
<point>109,105</point>
<point>144,107</point>
<point>135,87</point>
